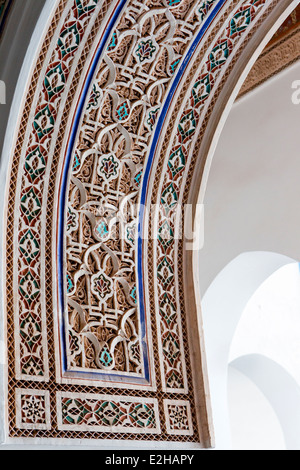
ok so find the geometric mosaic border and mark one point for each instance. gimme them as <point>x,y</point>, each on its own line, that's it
<point>56,409</point>
<point>145,51</point>
<point>176,165</point>
<point>178,418</point>
<point>30,334</point>
<point>89,412</point>
<point>33,409</point>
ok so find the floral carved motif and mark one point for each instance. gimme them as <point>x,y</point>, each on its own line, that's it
<point>101,413</point>
<point>105,329</point>
<point>31,336</point>
<point>172,185</point>
<point>124,105</point>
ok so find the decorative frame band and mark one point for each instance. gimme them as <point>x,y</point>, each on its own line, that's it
<point>102,413</point>
<point>175,414</point>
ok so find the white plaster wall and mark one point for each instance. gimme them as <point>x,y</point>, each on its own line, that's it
<point>266,347</point>
<point>222,308</point>
<point>281,391</point>
<point>254,424</point>
<point>252,200</point>
<point>270,323</point>
<point>252,223</point>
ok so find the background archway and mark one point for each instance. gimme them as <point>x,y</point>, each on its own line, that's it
<point>222,307</point>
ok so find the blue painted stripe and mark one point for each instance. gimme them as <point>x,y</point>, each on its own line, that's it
<point>65,179</point>
<point>155,140</point>
<point>64,185</point>
<point>169,98</point>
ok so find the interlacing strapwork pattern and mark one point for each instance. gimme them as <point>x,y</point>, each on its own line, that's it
<point>105,331</point>
<point>95,412</point>
<point>104,327</point>
<point>175,169</point>
<point>178,417</point>
<point>33,409</point>
<point>31,337</point>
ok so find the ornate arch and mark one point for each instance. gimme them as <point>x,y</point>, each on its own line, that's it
<point>124,103</point>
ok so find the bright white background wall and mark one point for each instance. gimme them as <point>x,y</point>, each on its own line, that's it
<point>254,424</point>
<point>270,324</point>
<point>252,200</point>
<point>266,349</point>
<point>252,229</point>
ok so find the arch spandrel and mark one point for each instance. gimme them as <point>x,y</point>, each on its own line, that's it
<point>111,118</point>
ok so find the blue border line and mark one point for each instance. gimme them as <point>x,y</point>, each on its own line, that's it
<point>69,155</point>
<point>65,179</point>
<point>156,136</point>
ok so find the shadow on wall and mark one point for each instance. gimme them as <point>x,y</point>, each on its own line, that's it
<point>223,306</point>
<point>253,422</point>
<point>282,400</point>
<point>266,349</point>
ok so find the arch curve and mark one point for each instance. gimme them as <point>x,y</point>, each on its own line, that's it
<point>125,100</point>
<point>280,383</point>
